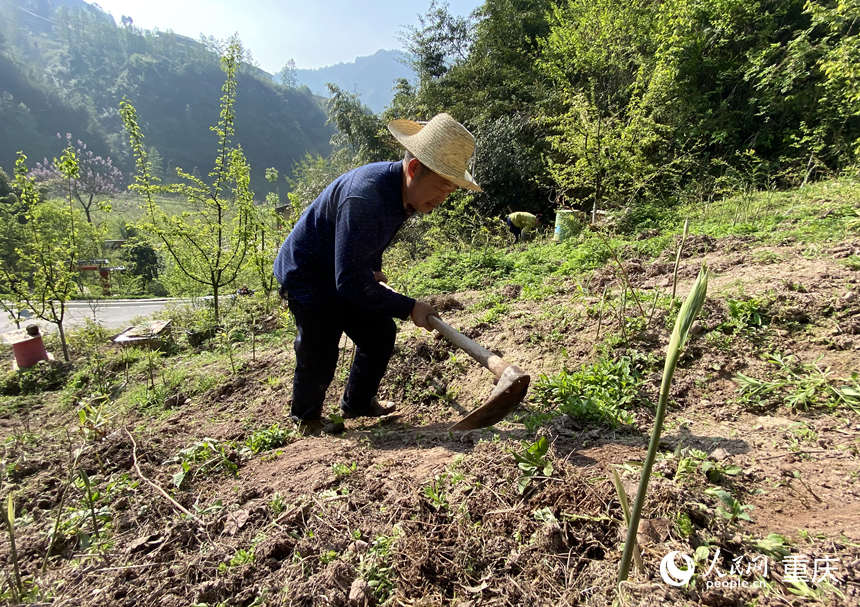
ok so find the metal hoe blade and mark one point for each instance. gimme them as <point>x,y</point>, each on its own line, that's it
<point>508,393</point>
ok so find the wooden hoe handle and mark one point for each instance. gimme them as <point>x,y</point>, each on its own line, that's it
<point>479,353</point>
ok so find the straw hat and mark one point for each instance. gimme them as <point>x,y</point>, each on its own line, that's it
<point>443,145</point>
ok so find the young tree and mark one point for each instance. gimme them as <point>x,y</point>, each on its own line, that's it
<point>210,240</point>
<point>95,181</point>
<point>359,130</point>
<point>287,75</point>
<point>43,275</point>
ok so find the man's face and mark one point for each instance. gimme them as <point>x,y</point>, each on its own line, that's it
<point>425,190</point>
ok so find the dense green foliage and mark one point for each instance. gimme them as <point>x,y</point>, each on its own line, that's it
<point>637,109</point>
<point>628,104</point>
<point>65,66</point>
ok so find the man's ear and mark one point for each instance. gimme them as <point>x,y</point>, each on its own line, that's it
<point>413,168</point>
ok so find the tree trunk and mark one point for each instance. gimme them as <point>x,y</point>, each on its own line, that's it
<point>215,301</point>
<point>63,340</point>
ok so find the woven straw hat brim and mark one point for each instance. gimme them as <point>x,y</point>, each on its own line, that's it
<point>443,148</point>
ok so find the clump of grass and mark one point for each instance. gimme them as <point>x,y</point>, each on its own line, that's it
<point>799,386</point>
<point>603,392</point>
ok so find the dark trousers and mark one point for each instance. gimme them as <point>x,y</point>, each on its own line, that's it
<point>514,229</point>
<point>319,328</point>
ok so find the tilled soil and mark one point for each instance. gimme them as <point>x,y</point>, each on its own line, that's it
<point>402,510</point>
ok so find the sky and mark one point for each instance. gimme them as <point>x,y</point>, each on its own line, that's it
<point>314,33</point>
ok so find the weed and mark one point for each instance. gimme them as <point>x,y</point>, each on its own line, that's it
<point>205,455</point>
<point>91,416</point>
<point>239,558</point>
<point>745,315</point>
<point>774,545</point>
<point>684,524</point>
<point>799,386</point>
<point>765,257</point>
<point>269,438</point>
<point>531,461</point>
<point>600,393</point>
<point>277,504</point>
<point>535,419</point>
<point>375,565</point>
<point>728,507</point>
<point>799,434</point>
<point>435,492</point>
<point>693,461</point>
<point>342,470</point>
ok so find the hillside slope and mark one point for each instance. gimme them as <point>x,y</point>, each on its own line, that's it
<point>372,78</point>
<point>65,66</point>
<point>403,511</point>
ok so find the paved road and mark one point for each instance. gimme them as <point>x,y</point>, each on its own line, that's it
<point>112,314</point>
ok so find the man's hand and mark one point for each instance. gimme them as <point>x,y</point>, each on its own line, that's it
<point>380,277</point>
<point>421,312</point>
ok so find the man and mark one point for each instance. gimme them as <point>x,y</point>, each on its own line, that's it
<point>330,266</point>
<point>520,222</point>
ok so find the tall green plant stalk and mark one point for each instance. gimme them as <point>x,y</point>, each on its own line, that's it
<point>13,553</point>
<point>689,310</point>
<point>63,491</point>
<point>678,258</point>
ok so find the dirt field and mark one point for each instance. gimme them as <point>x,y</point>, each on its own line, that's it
<point>402,511</point>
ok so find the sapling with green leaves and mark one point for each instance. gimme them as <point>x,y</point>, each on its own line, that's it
<point>50,239</point>
<point>686,315</point>
<point>210,241</point>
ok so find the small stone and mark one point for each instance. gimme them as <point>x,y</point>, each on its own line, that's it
<point>719,454</point>
<point>358,547</point>
<point>360,593</point>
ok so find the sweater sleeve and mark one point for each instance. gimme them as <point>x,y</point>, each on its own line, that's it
<point>357,253</point>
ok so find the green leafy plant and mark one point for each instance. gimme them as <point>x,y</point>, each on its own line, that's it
<point>600,393</point>
<point>728,507</point>
<point>277,504</point>
<point>775,545</point>
<point>745,315</point>
<point>693,461</point>
<point>241,557</point>
<point>91,416</point>
<point>269,438</point>
<point>532,461</point>
<point>342,470</point>
<point>435,492</point>
<point>375,565</point>
<point>201,457</point>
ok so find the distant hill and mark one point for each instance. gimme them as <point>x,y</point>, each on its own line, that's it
<point>372,78</point>
<point>65,65</point>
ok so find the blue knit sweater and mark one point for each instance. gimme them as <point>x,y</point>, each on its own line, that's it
<point>338,242</point>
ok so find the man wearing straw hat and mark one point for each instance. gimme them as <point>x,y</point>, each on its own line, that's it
<point>330,266</point>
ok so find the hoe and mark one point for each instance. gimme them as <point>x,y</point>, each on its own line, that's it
<point>511,381</point>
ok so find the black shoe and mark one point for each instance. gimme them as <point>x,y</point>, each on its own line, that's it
<point>374,410</point>
<point>316,427</point>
